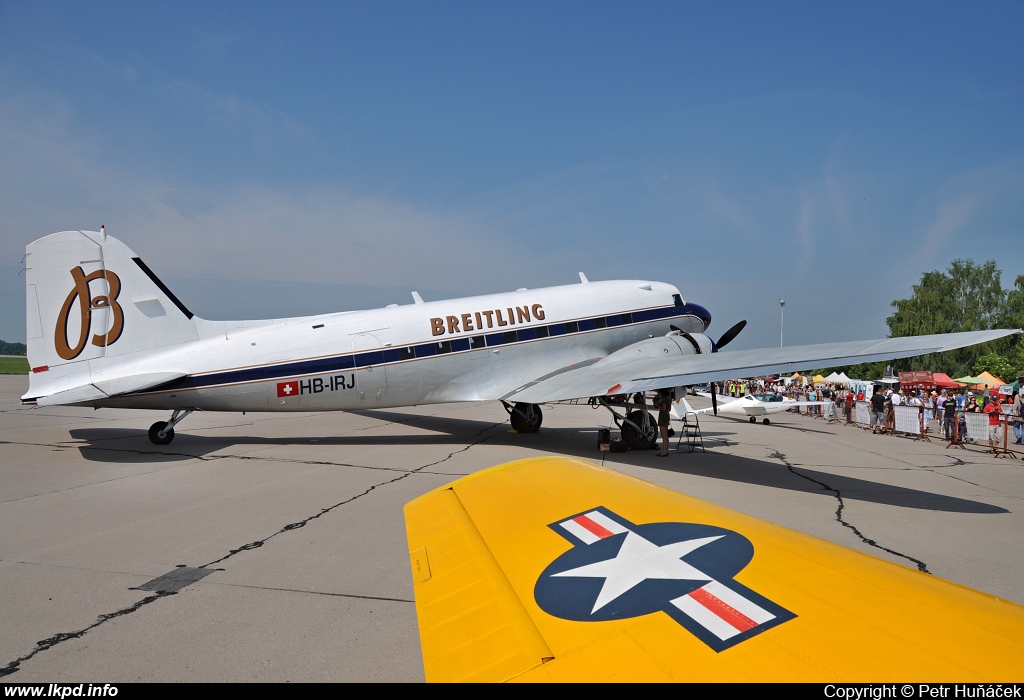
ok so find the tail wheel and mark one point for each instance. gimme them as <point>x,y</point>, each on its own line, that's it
<point>156,429</point>
<point>645,438</point>
<point>526,417</point>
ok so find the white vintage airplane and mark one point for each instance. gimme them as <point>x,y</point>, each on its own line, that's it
<point>104,331</point>
<point>751,406</point>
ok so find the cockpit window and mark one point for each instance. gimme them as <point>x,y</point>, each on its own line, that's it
<point>677,299</point>
<point>768,398</point>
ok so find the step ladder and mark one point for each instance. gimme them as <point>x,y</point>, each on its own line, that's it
<point>690,432</point>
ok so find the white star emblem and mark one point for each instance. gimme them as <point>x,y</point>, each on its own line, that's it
<point>638,560</point>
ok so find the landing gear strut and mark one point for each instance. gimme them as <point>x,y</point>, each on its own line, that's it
<point>161,433</point>
<point>639,428</point>
<point>525,417</point>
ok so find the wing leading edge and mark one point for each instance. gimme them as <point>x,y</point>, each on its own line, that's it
<point>645,373</point>
<point>557,569</point>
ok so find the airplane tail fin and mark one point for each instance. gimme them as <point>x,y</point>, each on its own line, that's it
<point>90,302</point>
<point>680,407</point>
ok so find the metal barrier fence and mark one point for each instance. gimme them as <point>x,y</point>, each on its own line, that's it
<point>911,420</point>
<point>862,413</point>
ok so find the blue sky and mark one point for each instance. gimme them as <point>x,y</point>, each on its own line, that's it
<point>264,157</point>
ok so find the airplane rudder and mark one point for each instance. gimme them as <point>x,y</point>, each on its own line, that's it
<point>88,297</point>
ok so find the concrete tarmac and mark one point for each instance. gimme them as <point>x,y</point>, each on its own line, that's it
<point>284,538</point>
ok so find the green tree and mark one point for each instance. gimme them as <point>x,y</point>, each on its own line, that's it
<point>995,364</point>
<point>1013,317</point>
<point>967,297</point>
<point>12,348</point>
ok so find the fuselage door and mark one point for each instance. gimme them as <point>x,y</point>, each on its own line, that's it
<point>371,376</point>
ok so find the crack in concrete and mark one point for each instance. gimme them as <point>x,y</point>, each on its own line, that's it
<point>326,593</point>
<point>921,566</point>
<point>60,637</point>
<point>302,523</point>
<point>955,461</point>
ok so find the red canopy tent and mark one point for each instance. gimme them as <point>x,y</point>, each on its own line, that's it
<point>943,381</point>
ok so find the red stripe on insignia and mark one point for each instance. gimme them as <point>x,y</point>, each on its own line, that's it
<point>41,368</point>
<point>593,527</point>
<point>723,610</point>
<point>612,390</point>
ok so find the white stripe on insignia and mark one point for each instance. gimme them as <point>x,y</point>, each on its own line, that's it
<point>741,604</point>
<point>579,532</point>
<point>705,618</point>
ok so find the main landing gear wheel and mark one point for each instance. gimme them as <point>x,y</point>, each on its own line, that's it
<point>765,421</point>
<point>526,417</point>
<point>158,428</point>
<point>645,438</point>
<point>753,420</point>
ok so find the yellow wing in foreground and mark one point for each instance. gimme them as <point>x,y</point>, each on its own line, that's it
<point>558,569</point>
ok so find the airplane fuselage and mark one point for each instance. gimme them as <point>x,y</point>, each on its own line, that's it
<point>468,349</point>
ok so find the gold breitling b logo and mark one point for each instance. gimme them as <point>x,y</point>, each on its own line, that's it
<point>85,306</point>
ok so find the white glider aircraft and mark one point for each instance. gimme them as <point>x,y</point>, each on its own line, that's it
<point>104,331</point>
<point>751,406</point>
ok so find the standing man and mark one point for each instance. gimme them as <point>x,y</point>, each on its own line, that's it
<point>897,398</point>
<point>877,412</point>
<point>995,429</point>
<point>949,416</point>
<point>1018,418</point>
<point>890,412</point>
<point>917,402</point>
<point>664,405</point>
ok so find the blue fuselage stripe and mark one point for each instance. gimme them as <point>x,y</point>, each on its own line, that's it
<point>385,356</point>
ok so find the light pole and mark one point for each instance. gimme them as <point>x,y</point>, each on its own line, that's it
<point>782,318</point>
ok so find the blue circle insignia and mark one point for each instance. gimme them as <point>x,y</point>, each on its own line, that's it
<point>574,596</point>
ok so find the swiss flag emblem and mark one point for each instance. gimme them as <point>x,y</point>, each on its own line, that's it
<point>285,389</point>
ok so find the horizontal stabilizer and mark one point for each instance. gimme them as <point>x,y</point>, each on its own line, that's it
<point>80,394</point>
<point>107,388</point>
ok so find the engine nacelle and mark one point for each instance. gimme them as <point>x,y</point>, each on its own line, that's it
<point>675,343</point>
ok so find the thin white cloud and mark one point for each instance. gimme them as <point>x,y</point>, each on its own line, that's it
<point>838,195</point>
<point>233,112</point>
<point>53,179</point>
<point>950,220</point>
<point>728,209</point>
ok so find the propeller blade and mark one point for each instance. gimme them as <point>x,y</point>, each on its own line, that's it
<point>714,397</point>
<point>730,334</point>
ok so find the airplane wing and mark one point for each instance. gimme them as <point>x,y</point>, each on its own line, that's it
<point>722,398</point>
<point>556,569</point>
<point>621,374</point>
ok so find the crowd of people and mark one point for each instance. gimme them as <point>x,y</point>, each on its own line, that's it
<point>947,407</point>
